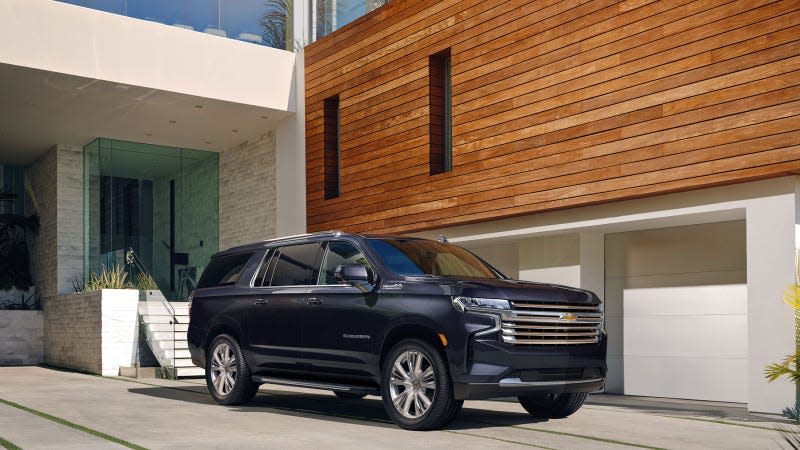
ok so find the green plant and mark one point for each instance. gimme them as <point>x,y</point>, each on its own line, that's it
<point>78,283</point>
<point>145,282</point>
<point>788,367</point>
<point>31,302</point>
<point>14,257</point>
<point>114,278</point>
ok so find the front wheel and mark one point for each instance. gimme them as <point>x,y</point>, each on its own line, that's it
<point>416,388</point>
<point>551,405</point>
<point>227,374</point>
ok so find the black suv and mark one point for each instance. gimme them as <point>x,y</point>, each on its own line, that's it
<point>424,324</point>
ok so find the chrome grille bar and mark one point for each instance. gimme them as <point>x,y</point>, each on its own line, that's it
<point>537,323</point>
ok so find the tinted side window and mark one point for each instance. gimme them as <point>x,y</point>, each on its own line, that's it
<point>296,265</point>
<point>339,252</point>
<point>223,271</point>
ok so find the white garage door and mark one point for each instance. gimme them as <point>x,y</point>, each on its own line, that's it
<point>676,305</point>
<point>686,342</point>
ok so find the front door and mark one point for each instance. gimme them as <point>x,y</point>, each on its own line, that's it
<point>340,323</point>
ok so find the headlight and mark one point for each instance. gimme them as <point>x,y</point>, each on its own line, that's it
<point>466,303</point>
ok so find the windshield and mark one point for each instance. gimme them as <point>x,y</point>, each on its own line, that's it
<point>418,257</point>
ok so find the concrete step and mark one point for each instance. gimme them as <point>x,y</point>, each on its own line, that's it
<point>166,346</point>
<point>167,327</point>
<point>190,372</point>
<point>183,362</point>
<point>169,335</point>
<point>178,353</point>
<point>156,318</point>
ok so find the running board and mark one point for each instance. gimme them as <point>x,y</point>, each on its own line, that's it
<point>354,389</point>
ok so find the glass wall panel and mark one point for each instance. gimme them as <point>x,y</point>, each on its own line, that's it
<point>262,22</point>
<point>12,190</point>
<point>160,202</point>
<point>112,6</point>
<point>330,15</point>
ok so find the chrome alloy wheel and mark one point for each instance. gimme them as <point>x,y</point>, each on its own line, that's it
<point>223,369</point>
<point>412,384</point>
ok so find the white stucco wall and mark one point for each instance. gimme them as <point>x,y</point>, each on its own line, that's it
<point>70,39</point>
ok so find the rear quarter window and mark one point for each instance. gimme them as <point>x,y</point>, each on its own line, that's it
<point>224,270</point>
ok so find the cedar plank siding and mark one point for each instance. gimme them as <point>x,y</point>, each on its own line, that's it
<point>556,104</point>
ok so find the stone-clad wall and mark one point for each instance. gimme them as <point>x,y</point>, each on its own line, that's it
<point>21,338</point>
<point>55,190</point>
<point>247,192</point>
<point>96,331</point>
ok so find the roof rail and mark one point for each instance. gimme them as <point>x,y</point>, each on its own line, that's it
<point>298,236</point>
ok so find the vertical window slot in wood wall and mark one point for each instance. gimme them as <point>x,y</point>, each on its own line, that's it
<point>331,147</point>
<point>440,128</point>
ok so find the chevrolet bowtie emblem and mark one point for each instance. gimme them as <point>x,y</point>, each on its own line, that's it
<point>568,317</point>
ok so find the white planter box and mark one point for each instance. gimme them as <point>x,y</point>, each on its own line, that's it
<point>96,331</point>
<point>21,338</point>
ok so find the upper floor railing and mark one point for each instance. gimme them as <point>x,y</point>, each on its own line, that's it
<point>262,22</point>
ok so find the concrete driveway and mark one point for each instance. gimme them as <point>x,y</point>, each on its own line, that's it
<point>47,408</point>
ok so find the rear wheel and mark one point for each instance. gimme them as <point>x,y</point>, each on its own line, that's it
<point>551,405</point>
<point>227,374</point>
<point>349,395</point>
<point>416,388</point>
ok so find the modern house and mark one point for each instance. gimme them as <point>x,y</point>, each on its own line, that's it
<point>646,150</point>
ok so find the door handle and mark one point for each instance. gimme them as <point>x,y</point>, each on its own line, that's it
<point>260,301</point>
<point>314,301</point>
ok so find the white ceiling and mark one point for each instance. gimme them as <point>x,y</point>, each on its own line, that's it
<point>39,109</point>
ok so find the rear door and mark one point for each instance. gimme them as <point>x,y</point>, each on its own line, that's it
<point>340,323</point>
<point>278,298</point>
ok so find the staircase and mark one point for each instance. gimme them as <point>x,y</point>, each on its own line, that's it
<point>165,325</point>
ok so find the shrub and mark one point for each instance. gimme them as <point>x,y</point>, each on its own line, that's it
<point>114,278</point>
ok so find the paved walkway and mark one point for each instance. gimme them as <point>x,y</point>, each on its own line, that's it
<point>47,408</point>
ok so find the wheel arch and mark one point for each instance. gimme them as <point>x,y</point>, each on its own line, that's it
<point>412,330</point>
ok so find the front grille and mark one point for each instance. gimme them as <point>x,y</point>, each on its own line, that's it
<point>536,323</point>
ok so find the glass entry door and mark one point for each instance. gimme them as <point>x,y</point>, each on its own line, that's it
<point>156,206</point>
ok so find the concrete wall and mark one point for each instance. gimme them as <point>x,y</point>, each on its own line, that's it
<point>21,338</point>
<point>99,45</point>
<point>290,159</point>
<point>96,331</point>
<point>247,192</point>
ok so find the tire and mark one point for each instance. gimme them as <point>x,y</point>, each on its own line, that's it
<point>227,374</point>
<point>551,405</point>
<point>405,396</point>
<point>349,395</point>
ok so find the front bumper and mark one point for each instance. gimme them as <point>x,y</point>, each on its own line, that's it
<point>496,369</point>
<point>514,387</point>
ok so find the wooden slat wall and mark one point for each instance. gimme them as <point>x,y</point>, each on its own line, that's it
<point>556,104</point>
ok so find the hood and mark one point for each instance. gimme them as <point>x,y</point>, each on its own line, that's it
<point>505,289</point>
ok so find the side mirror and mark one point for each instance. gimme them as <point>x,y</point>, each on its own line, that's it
<point>357,275</point>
